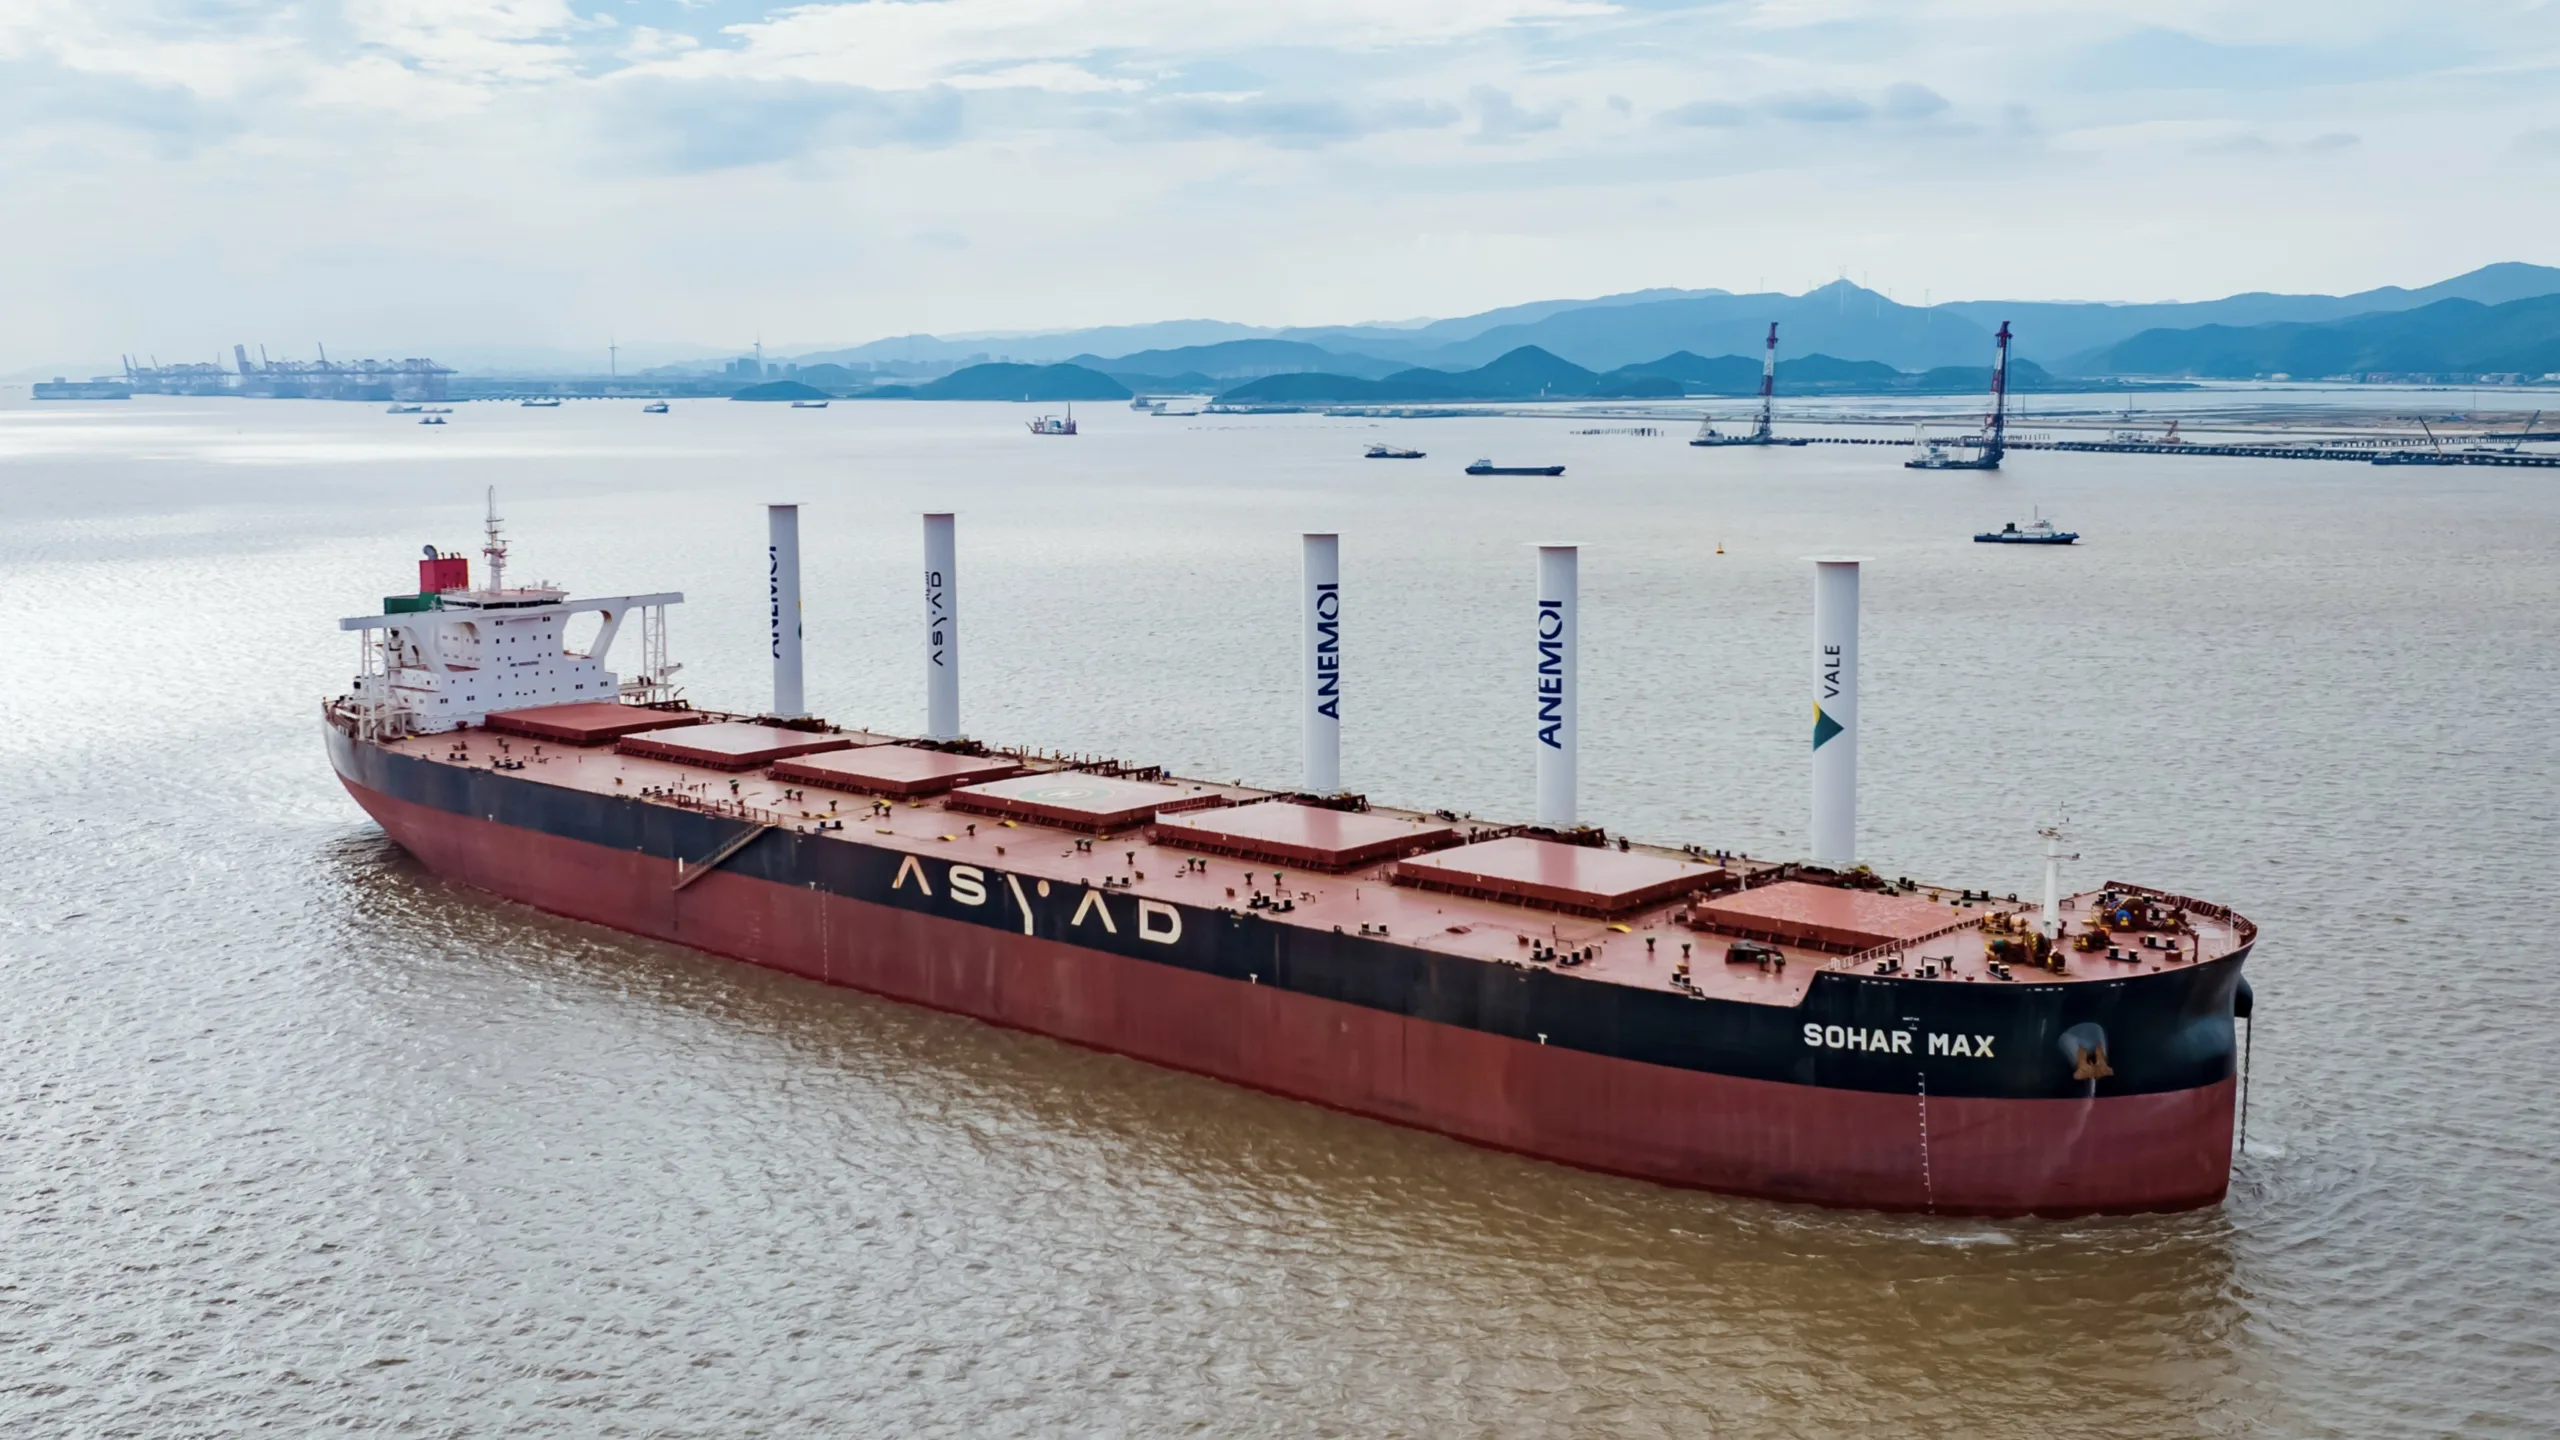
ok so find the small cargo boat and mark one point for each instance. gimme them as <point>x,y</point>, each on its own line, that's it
<point>2038,531</point>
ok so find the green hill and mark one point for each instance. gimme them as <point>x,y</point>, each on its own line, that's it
<point>1189,382</point>
<point>1317,388</point>
<point>1011,382</point>
<point>1696,374</point>
<point>780,390</point>
<point>1523,374</point>
<point>2024,375</point>
<point>1819,370</point>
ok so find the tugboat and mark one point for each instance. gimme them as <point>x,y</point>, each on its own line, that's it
<point>1708,434</point>
<point>2169,436</point>
<point>1760,434</point>
<point>1487,467</point>
<point>1934,455</point>
<point>1055,425</point>
<point>1390,452</point>
<point>2038,531</point>
<point>654,407</point>
<point>2434,454</point>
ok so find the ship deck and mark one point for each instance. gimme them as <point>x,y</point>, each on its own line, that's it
<point>1924,933</point>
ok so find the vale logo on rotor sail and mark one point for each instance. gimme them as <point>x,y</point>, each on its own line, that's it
<point>1824,727</point>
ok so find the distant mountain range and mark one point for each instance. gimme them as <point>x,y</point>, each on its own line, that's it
<point>2444,337</point>
<point>1707,342</point>
<point>2065,336</point>
<point>1527,373</point>
<point>1531,373</point>
<point>2447,337</point>
<point>1621,332</point>
<point>1241,360</point>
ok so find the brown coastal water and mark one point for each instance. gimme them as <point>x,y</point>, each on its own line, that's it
<point>296,1137</point>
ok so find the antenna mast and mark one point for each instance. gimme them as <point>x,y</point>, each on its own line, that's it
<point>495,548</point>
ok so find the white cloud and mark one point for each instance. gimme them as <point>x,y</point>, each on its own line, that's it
<point>907,45</point>
<point>1501,120</point>
<point>1718,114</point>
<point>647,42</point>
<point>195,168</point>
<point>1818,107</point>
<point>1049,75</point>
<point>1907,101</point>
<point>512,40</point>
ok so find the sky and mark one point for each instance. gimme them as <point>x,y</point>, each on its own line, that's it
<point>683,177</point>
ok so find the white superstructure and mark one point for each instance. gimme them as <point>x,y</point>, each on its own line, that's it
<point>448,657</point>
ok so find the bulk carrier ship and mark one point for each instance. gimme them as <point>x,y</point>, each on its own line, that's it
<point>1797,1030</point>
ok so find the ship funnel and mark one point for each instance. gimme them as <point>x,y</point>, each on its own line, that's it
<point>782,582</point>
<point>1835,711</point>
<point>941,629</point>
<point>1559,684</point>
<point>1323,659</point>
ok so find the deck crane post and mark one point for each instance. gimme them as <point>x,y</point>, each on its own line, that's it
<point>1995,425</point>
<point>1768,384</point>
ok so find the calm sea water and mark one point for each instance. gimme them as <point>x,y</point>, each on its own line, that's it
<point>295,1136</point>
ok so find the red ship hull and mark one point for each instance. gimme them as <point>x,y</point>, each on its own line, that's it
<point>1952,1155</point>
